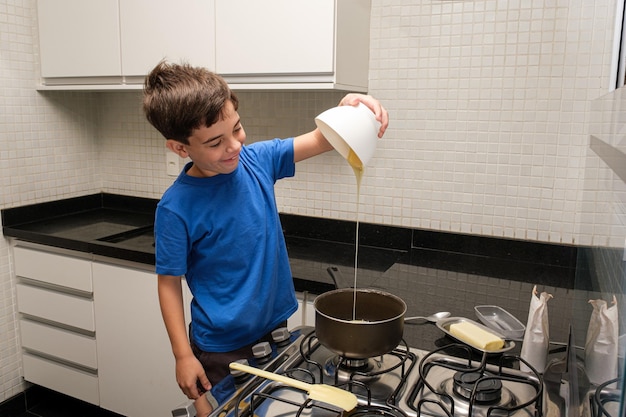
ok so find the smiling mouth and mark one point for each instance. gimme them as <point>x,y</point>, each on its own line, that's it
<point>232,159</point>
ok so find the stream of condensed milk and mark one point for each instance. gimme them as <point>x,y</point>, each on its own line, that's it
<point>357,167</point>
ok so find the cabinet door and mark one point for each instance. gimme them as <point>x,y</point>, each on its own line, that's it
<point>136,368</point>
<point>79,38</point>
<point>274,36</point>
<point>178,31</point>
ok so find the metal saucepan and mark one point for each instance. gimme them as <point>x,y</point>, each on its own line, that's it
<point>377,327</point>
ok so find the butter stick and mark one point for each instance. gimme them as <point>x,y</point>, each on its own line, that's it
<point>470,333</point>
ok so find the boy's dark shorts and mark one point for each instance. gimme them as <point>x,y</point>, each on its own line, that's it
<point>215,364</point>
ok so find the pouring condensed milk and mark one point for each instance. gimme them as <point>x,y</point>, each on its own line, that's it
<point>353,132</point>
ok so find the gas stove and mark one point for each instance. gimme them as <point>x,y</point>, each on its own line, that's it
<point>405,382</point>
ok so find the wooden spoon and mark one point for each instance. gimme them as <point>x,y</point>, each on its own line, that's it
<point>318,392</point>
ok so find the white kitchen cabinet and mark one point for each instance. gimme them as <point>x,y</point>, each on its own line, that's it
<point>293,43</point>
<point>56,306</point>
<point>179,31</point>
<point>136,368</point>
<point>93,330</point>
<point>60,343</point>
<point>57,323</point>
<point>113,44</point>
<point>276,44</point>
<point>79,38</point>
<point>60,377</point>
<point>53,268</point>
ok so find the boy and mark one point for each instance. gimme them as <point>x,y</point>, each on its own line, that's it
<point>218,225</point>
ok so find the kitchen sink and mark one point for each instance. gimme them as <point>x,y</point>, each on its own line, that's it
<point>140,238</point>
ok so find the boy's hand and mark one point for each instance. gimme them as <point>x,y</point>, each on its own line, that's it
<point>374,105</point>
<point>191,377</point>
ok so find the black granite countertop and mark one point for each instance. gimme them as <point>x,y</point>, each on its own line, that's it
<point>102,224</point>
<point>390,259</point>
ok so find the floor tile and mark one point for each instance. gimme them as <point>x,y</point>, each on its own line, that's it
<point>42,402</point>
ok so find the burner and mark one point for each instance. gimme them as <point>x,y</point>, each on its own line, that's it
<point>487,391</point>
<point>463,387</point>
<point>355,364</point>
<point>350,369</point>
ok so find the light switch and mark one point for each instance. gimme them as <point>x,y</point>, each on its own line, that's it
<point>172,164</point>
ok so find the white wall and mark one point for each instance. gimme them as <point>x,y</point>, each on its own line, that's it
<point>488,102</point>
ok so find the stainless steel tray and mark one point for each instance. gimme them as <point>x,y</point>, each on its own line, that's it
<point>445,324</point>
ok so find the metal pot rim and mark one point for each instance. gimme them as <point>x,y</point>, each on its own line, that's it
<point>360,290</point>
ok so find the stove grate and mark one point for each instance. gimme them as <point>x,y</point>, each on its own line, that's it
<point>605,401</point>
<point>455,396</point>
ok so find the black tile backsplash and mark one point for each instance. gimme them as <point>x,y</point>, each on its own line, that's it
<point>341,231</point>
<point>498,248</point>
<point>381,246</point>
<point>342,254</point>
<point>602,269</point>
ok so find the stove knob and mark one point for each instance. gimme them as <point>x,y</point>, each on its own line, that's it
<point>262,351</point>
<point>238,375</point>
<point>281,336</point>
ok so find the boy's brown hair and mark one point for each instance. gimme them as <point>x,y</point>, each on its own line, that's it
<point>180,98</point>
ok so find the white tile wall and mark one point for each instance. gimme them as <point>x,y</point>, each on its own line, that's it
<point>488,135</point>
<point>48,151</point>
<point>133,152</point>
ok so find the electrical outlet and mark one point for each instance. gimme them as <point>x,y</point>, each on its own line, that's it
<point>172,164</point>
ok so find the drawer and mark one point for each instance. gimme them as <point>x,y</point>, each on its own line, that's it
<point>53,268</point>
<point>62,378</point>
<point>60,343</point>
<point>52,305</point>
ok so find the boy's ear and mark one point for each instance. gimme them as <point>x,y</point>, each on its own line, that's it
<point>176,147</point>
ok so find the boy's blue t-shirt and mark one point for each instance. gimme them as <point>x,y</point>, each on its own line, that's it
<point>223,233</point>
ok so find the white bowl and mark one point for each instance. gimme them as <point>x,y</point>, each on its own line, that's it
<point>350,127</point>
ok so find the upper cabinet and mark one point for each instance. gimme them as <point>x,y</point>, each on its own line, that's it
<point>113,44</point>
<point>179,31</point>
<point>79,38</point>
<point>307,44</point>
<point>275,44</point>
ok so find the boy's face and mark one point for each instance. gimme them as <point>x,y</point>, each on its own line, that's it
<point>215,149</point>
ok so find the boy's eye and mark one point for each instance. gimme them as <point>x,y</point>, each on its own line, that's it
<point>215,143</point>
